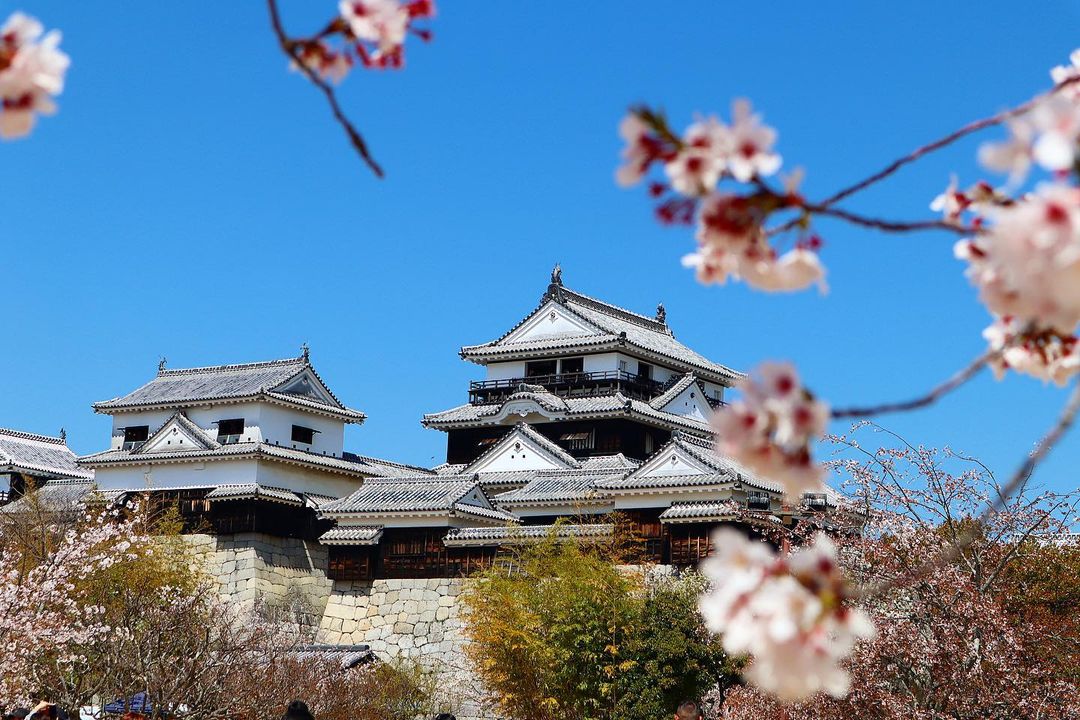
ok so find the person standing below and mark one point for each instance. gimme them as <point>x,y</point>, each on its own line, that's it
<point>689,710</point>
<point>297,710</point>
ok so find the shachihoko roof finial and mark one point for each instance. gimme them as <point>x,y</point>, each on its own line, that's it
<point>161,363</point>
<point>661,314</point>
<point>63,435</point>
<point>554,290</point>
<point>305,352</point>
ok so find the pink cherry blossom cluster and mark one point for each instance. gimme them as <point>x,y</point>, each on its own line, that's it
<point>731,238</point>
<point>791,613</point>
<point>1047,355</point>
<point>32,72</point>
<point>373,34</point>
<point>40,611</point>
<point>770,429</point>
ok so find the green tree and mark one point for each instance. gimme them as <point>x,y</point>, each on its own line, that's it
<point>560,631</point>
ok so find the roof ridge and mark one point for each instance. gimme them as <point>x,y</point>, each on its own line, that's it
<point>23,435</point>
<point>620,312</point>
<point>165,372</point>
<point>426,471</point>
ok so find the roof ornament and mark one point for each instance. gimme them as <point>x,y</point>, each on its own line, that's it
<point>555,288</point>
<point>63,435</point>
<point>161,363</point>
<point>661,314</point>
<point>305,352</point>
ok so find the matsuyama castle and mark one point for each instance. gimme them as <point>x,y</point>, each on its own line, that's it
<point>586,411</point>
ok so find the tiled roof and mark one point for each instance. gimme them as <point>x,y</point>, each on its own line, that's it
<point>598,405</point>
<point>699,511</point>
<point>242,450</point>
<point>354,535</point>
<point>609,462</point>
<point>386,468</point>
<point>558,486</point>
<point>349,656</point>
<point>39,455</point>
<point>673,392</point>
<point>254,491</point>
<point>260,380</point>
<point>527,431</point>
<point>483,512</point>
<point>450,468</point>
<point>417,494</point>
<point>54,497</point>
<point>463,537</point>
<point>506,478</point>
<point>617,326</point>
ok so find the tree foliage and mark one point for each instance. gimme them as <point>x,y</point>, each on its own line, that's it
<point>559,631</point>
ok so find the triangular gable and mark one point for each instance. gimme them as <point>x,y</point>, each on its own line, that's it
<point>521,449</point>
<point>308,385</point>
<point>178,434</point>
<point>551,318</point>
<point>476,498</point>
<point>672,459</point>
<point>690,402</point>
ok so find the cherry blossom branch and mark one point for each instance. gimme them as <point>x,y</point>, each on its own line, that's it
<point>1016,481</point>
<point>290,48</point>
<point>929,398</point>
<point>949,139</point>
<point>888,225</point>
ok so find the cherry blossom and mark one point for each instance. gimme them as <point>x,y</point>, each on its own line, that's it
<point>789,613</point>
<point>640,152</point>
<point>1046,355</point>
<point>32,71</point>
<point>697,167</point>
<point>770,429</point>
<point>1027,264</point>
<point>331,64</point>
<point>383,24</point>
<point>750,144</point>
<point>1057,122</point>
<point>1063,73</point>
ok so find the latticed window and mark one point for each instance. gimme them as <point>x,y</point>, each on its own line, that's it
<point>135,436</point>
<point>758,500</point>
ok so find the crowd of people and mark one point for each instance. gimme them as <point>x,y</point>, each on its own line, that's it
<point>297,710</point>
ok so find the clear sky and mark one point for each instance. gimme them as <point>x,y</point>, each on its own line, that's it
<point>193,199</point>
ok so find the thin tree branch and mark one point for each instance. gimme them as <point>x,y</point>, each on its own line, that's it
<point>289,47</point>
<point>949,139</point>
<point>1016,480</point>
<point>889,225</point>
<point>922,401</point>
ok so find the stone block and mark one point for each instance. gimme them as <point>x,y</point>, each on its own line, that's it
<point>442,613</point>
<point>403,628</point>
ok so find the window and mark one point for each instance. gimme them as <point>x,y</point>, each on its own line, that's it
<point>644,371</point>
<point>229,431</point>
<point>135,436</point>
<point>578,440</point>
<point>536,368</point>
<point>817,501</point>
<point>301,434</point>
<point>572,365</point>
<point>758,500</point>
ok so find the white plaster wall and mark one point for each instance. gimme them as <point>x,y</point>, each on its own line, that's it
<point>204,417</point>
<point>173,475</point>
<point>300,479</point>
<point>505,370</point>
<point>276,426</point>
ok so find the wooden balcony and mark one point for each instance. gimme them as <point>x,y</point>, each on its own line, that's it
<point>579,384</point>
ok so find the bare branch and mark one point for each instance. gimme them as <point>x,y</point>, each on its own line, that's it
<point>290,48</point>
<point>929,398</point>
<point>1016,480</point>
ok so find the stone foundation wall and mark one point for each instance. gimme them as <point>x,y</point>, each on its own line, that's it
<point>279,571</point>
<point>418,620</point>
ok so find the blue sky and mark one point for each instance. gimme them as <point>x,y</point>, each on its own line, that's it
<point>193,199</point>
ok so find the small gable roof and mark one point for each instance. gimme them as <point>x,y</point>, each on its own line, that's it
<point>292,381</point>
<point>40,456</point>
<point>524,433</point>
